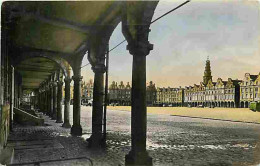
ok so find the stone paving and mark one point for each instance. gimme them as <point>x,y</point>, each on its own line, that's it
<point>171,141</point>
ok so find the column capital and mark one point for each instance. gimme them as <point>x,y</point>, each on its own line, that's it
<point>54,84</point>
<point>51,84</point>
<point>60,83</point>
<point>77,78</point>
<point>67,80</point>
<point>99,68</point>
<point>139,48</point>
<point>47,86</point>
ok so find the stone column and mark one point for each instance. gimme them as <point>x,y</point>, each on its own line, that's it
<point>139,49</point>
<point>11,97</point>
<point>66,123</point>
<point>76,129</point>
<point>45,100</point>
<point>42,101</point>
<point>96,139</point>
<point>51,99</point>
<point>39,100</point>
<point>48,100</point>
<point>54,115</point>
<point>59,104</point>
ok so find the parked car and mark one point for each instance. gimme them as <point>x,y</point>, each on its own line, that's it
<point>200,106</point>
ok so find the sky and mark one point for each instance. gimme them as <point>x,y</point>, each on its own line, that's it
<point>226,31</point>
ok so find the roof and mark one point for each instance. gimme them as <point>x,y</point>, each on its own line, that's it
<point>253,77</point>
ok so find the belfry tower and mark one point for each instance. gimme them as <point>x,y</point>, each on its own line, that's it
<point>207,73</point>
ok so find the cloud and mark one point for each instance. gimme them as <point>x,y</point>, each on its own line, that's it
<point>227,31</point>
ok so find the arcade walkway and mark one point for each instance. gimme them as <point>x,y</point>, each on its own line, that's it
<point>53,145</point>
<point>42,48</point>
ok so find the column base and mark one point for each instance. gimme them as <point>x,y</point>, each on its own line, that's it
<point>138,158</point>
<point>66,125</point>
<point>59,121</point>
<point>76,130</point>
<point>53,117</point>
<point>95,143</point>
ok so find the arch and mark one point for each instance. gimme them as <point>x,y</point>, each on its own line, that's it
<point>61,62</point>
<point>232,104</point>
<point>246,104</point>
<point>242,104</point>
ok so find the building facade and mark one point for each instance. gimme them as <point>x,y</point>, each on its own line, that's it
<point>214,94</point>
<point>249,90</point>
<point>170,97</point>
<point>232,93</point>
<point>119,94</point>
<point>151,94</point>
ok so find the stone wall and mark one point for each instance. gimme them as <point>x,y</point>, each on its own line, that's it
<point>26,118</point>
<point>5,124</point>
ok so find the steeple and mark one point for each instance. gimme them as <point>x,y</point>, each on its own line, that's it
<point>207,73</point>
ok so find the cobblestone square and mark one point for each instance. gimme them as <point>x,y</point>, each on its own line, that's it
<point>170,141</point>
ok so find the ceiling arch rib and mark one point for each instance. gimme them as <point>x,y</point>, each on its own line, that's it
<point>35,70</point>
<point>59,26</point>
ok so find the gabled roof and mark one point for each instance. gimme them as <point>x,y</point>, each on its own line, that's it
<point>253,77</point>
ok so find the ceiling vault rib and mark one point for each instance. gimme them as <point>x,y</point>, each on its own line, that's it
<point>35,70</point>
<point>57,22</point>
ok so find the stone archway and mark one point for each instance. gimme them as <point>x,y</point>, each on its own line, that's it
<point>228,104</point>
<point>242,104</point>
<point>232,104</point>
<point>246,104</point>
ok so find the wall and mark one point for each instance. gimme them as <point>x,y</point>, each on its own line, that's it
<point>4,128</point>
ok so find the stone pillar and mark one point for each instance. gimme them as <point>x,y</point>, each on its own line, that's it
<point>76,129</point>
<point>51,99</point>
<point>48,100</point>
<point>45,100</point>
<point>11,98</point>
<point>40,100</point>
<point>54,115</point>
<point>66,123</point>
<point>96,139</point>
<point>59,104</point>
<point>139,49</point>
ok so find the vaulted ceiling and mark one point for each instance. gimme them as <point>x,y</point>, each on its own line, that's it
<point>61,28</point>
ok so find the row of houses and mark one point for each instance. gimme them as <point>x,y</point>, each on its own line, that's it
<point>230,93</point>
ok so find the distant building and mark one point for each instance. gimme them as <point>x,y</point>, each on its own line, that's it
<point>119,94</point>
<point>213,94</point>
<point>88,89</point>
<point>170,96</point>
<point>249,89</point>
<point>151,94</point>
<point>231,93</point>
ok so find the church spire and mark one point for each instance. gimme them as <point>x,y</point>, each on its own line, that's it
<point>207,73</point>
